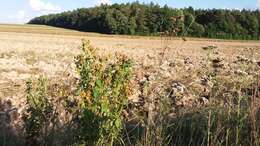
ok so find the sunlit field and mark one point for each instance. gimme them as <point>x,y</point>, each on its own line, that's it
<point>194,74</point>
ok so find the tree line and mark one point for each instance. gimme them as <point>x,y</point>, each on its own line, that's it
<point>152,19</point>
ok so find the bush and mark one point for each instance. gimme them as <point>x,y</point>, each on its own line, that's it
<point>39,113</point>
<point>104,88</point>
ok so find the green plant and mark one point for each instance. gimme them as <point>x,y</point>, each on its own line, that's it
<point>39,112</point>
<point>104,89</point>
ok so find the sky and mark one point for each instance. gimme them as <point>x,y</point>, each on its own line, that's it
<point>21,11</point>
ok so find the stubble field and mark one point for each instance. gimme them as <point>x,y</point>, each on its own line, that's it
<point>191,73</point>
<point>28,51</point>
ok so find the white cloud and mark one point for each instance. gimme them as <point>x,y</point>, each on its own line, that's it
<point>20,14</point>
<point>19,17</point>
<point>258,3</point>
<point>227,8</point>
<point>99,2</point>
<point>42,6</point>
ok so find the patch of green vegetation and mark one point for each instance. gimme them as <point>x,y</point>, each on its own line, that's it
<point>152,19</point>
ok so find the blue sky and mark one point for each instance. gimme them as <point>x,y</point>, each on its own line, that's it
<point>20,11</point>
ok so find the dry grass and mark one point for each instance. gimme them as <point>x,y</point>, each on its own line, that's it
<point>30,50</point>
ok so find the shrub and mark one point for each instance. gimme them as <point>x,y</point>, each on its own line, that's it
<point>39,112</point>
<point>104,88</point>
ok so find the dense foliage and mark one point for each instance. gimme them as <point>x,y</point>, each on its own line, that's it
<point>150,19</point>
<point>104,90</point>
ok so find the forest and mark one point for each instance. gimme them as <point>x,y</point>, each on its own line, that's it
<point>152,19</point>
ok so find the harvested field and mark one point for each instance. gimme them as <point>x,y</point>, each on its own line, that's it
<point>25,52</point>
<point>194,73</point>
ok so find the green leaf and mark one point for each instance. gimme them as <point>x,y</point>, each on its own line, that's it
<point>96,92</point>
<point>99,83</point>
<point>104,108</point>
<point>118,123</point>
